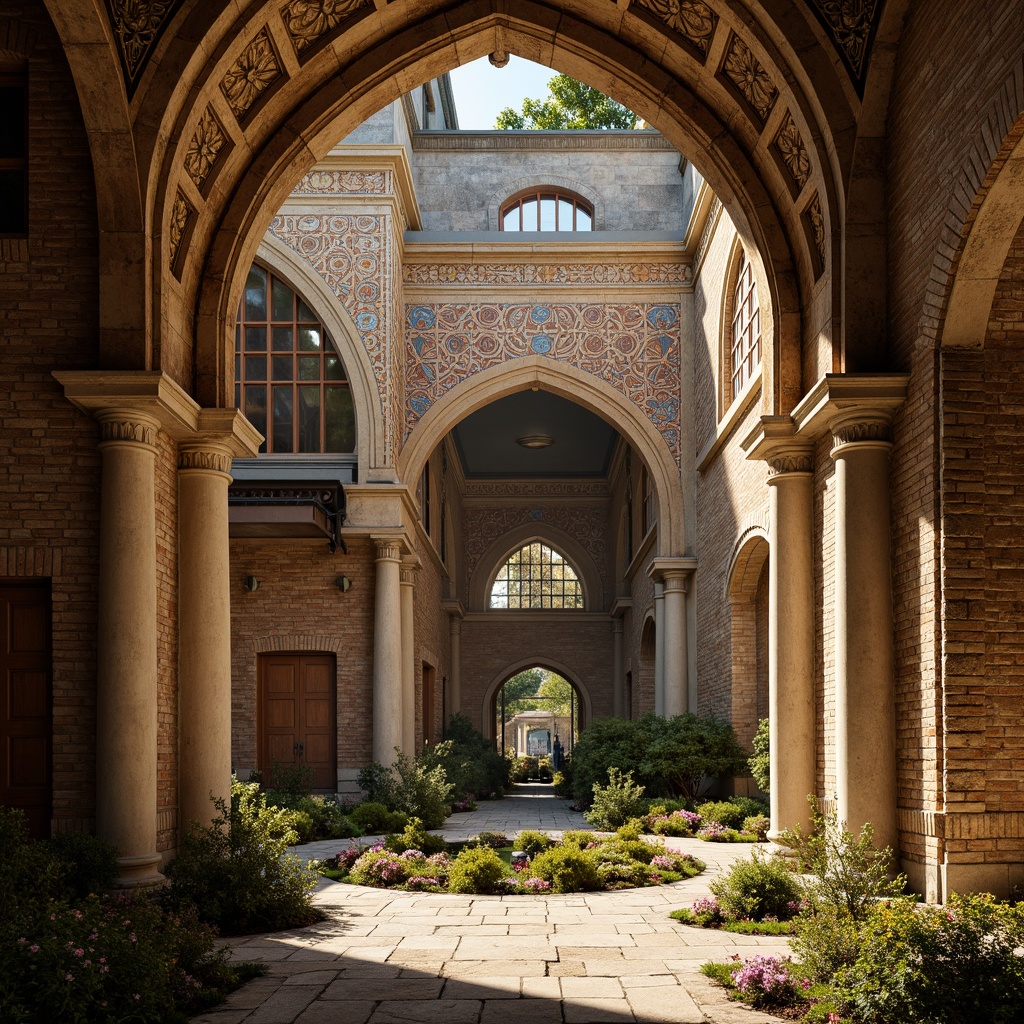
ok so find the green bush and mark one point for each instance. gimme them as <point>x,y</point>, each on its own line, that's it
<point>958,964</point>
<point>532,842</point>
<point>618,802</point>
<point>296,780</point>
<point>87,864</point>
<point>471,764</point>
<point>761,887</point>
<point>415,837</point>
<point>725,812</point>
<point>827,940</point>
<point>567,868</point>
<point>523,769</point>
<point>758,825</point>
<point>375,819</point>
<point>579,837</point>
<point>495,840</point>
<point>321,817</point>
<point>477,869</point>
<point>759,762</point>
<point>416,788</point>
<point>562,780</point>
<point>238,870</point>
<point>750,805</point>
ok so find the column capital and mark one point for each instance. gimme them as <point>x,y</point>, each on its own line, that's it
<point>205,456</point>
<point>387,549</point>
<point>672,573</point>
<point>127,426</point>
<point>408,574</point>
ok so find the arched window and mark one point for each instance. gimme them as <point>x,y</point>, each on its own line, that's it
<point>536,577</point>
<point>546,209</point>
<point>289,379</point>
<point>745,343</point>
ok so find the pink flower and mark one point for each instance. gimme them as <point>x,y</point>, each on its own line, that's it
<point>33,948</point>
<point>69,976</point>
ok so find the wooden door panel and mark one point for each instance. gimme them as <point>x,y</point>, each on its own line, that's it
<point>297,714</point>
<point>26,702</point>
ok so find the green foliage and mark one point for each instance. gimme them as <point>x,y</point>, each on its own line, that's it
<point>938,965</point>
<point>749,805</point>
<point>238,869</point>
<point>471,763</point>
<point>316,817</point>
<point>375,819</point>
<point>758,888</point>
<point>71,953</point>
<point>495,840</point>
<point>567,868</point>
<point>414,837</point>
<point>580,837</point>
<point>295,779</point>
<point>476,869</point>
<point>532,842</point>
<point>759,762</point>
<point>563,780</point>
<point>850,873</point>
<point>523,769</point>
<point>758,825</point>
<point>827,940</point>
<point>667,756</point>
<point>616,803</point>
<point>725,812</point>
<point>416,788</point>
<point>569,105</point>
<point>518,691</point>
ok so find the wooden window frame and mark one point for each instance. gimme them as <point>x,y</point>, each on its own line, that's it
<point>538,194</point>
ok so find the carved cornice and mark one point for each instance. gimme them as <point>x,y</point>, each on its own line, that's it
<point>675,274</point>
<point>137,26</point>
<point>691,19</point>
<point>851,25</point>
<point>520,489</point>
<point>748,78</point>
<point>248,79</point>
<point>311,21</point>
<point>204,149</point>
<point>789,145</point>
<point>323,182</point>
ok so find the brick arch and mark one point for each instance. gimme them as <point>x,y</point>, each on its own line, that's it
<point>288,642</point>
<point>559,668</point>
<point>746,587</point>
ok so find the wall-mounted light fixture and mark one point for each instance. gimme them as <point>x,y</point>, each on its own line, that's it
<point>251,583</point>
<point>343,583</point>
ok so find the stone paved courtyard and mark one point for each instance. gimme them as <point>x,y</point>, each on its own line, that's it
<point>388,957</point>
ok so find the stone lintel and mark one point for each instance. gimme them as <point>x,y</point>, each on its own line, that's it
<point>153,393</point>
<point>663,569</point>
<point>839,399</point>
<point>453,606</point>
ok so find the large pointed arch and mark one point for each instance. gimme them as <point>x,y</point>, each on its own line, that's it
<point>577,386</point>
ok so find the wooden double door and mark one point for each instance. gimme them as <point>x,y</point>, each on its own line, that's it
<point>26,717</point>
<point>297,715</point>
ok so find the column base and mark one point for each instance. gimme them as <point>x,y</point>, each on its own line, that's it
<point>139,872</point>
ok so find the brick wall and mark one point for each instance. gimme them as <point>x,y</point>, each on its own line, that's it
<point>167,640</point>
<point>49,506</point>
<point>298,608</point>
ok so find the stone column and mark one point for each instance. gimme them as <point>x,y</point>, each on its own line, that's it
<point>455,665</point>
<point>659,649</point>
<point>676,661</point>
<point>408,582</point>
<point>865,701</point>
<point>791,638</point>
<point>618,671</point>
<point>204,629</point>
<point>126,663</point>
<point>387,652</point>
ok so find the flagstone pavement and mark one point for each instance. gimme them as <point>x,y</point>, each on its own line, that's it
<point>390,957</point>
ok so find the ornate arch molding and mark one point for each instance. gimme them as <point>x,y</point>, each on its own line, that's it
<point>499,550</point>
<point>583,388</point>
<point>370,437</point>
<point>306,103</point>
<point>591,195</point>
<point>981,221</point>
<point>487,719</point>
<point>288,642</point>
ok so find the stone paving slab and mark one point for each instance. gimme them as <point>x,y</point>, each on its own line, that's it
<point>388,957</point>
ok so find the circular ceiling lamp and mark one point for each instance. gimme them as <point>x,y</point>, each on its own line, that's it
<point>535,441</point>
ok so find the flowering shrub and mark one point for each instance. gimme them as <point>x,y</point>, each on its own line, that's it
<point>414,837</point>
<point>526,886</point>
<point>465,804</point>
<point>678,823</point>
<point>383,868</point>
<point>767,981</point>
<point>713,831</point>
<point>759,888</point>
<point>707,911</point>
<point>423,883</point>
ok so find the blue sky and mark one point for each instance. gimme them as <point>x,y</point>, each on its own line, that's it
<point>481,91</point>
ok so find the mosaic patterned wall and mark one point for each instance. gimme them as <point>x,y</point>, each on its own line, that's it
<point>353,255</point>
<point>586,524</point>
<point>632,346</point>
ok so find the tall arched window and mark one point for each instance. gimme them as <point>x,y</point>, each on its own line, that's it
<point>745,342</point>
<point>537,577</point>
<point>546,209</point>
<point>289,379</point>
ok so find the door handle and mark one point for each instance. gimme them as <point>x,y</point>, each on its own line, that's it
<point>297,749</point>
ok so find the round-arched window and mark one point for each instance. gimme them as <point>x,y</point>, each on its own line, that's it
<point>546,209</point>
<point>536,577</point>
<point>289,379</point>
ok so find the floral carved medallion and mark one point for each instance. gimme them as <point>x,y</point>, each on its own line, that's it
<point>205,147</point>
<point>137,25</point>
<point>308,21</point>
<point>851,24</point>
<point>748,77</point>
<point>255,71</point>
<point>693,20</point>
<point>790,148</point>
<point>181,217</point>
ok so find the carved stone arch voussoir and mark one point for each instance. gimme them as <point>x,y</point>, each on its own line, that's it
<point>291,642</point>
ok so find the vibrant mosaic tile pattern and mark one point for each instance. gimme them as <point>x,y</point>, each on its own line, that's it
<point>675,274</point>
<point>343,183</point>
<point>633,346</point>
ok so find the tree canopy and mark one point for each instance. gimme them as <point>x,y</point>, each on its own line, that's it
<point>570,105</point>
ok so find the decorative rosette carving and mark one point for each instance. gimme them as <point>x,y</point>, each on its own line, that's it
<point>137,25</point>
<point>255,71</point>
<point>816,230</point>
<point>693,20</point>
<point>746,73</point>
<point>206,145</point>
<point>181,216</point>
<point>308,21</point>
<point>792,152</point>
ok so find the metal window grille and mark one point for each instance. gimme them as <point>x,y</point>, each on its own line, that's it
<point>536,577</point>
